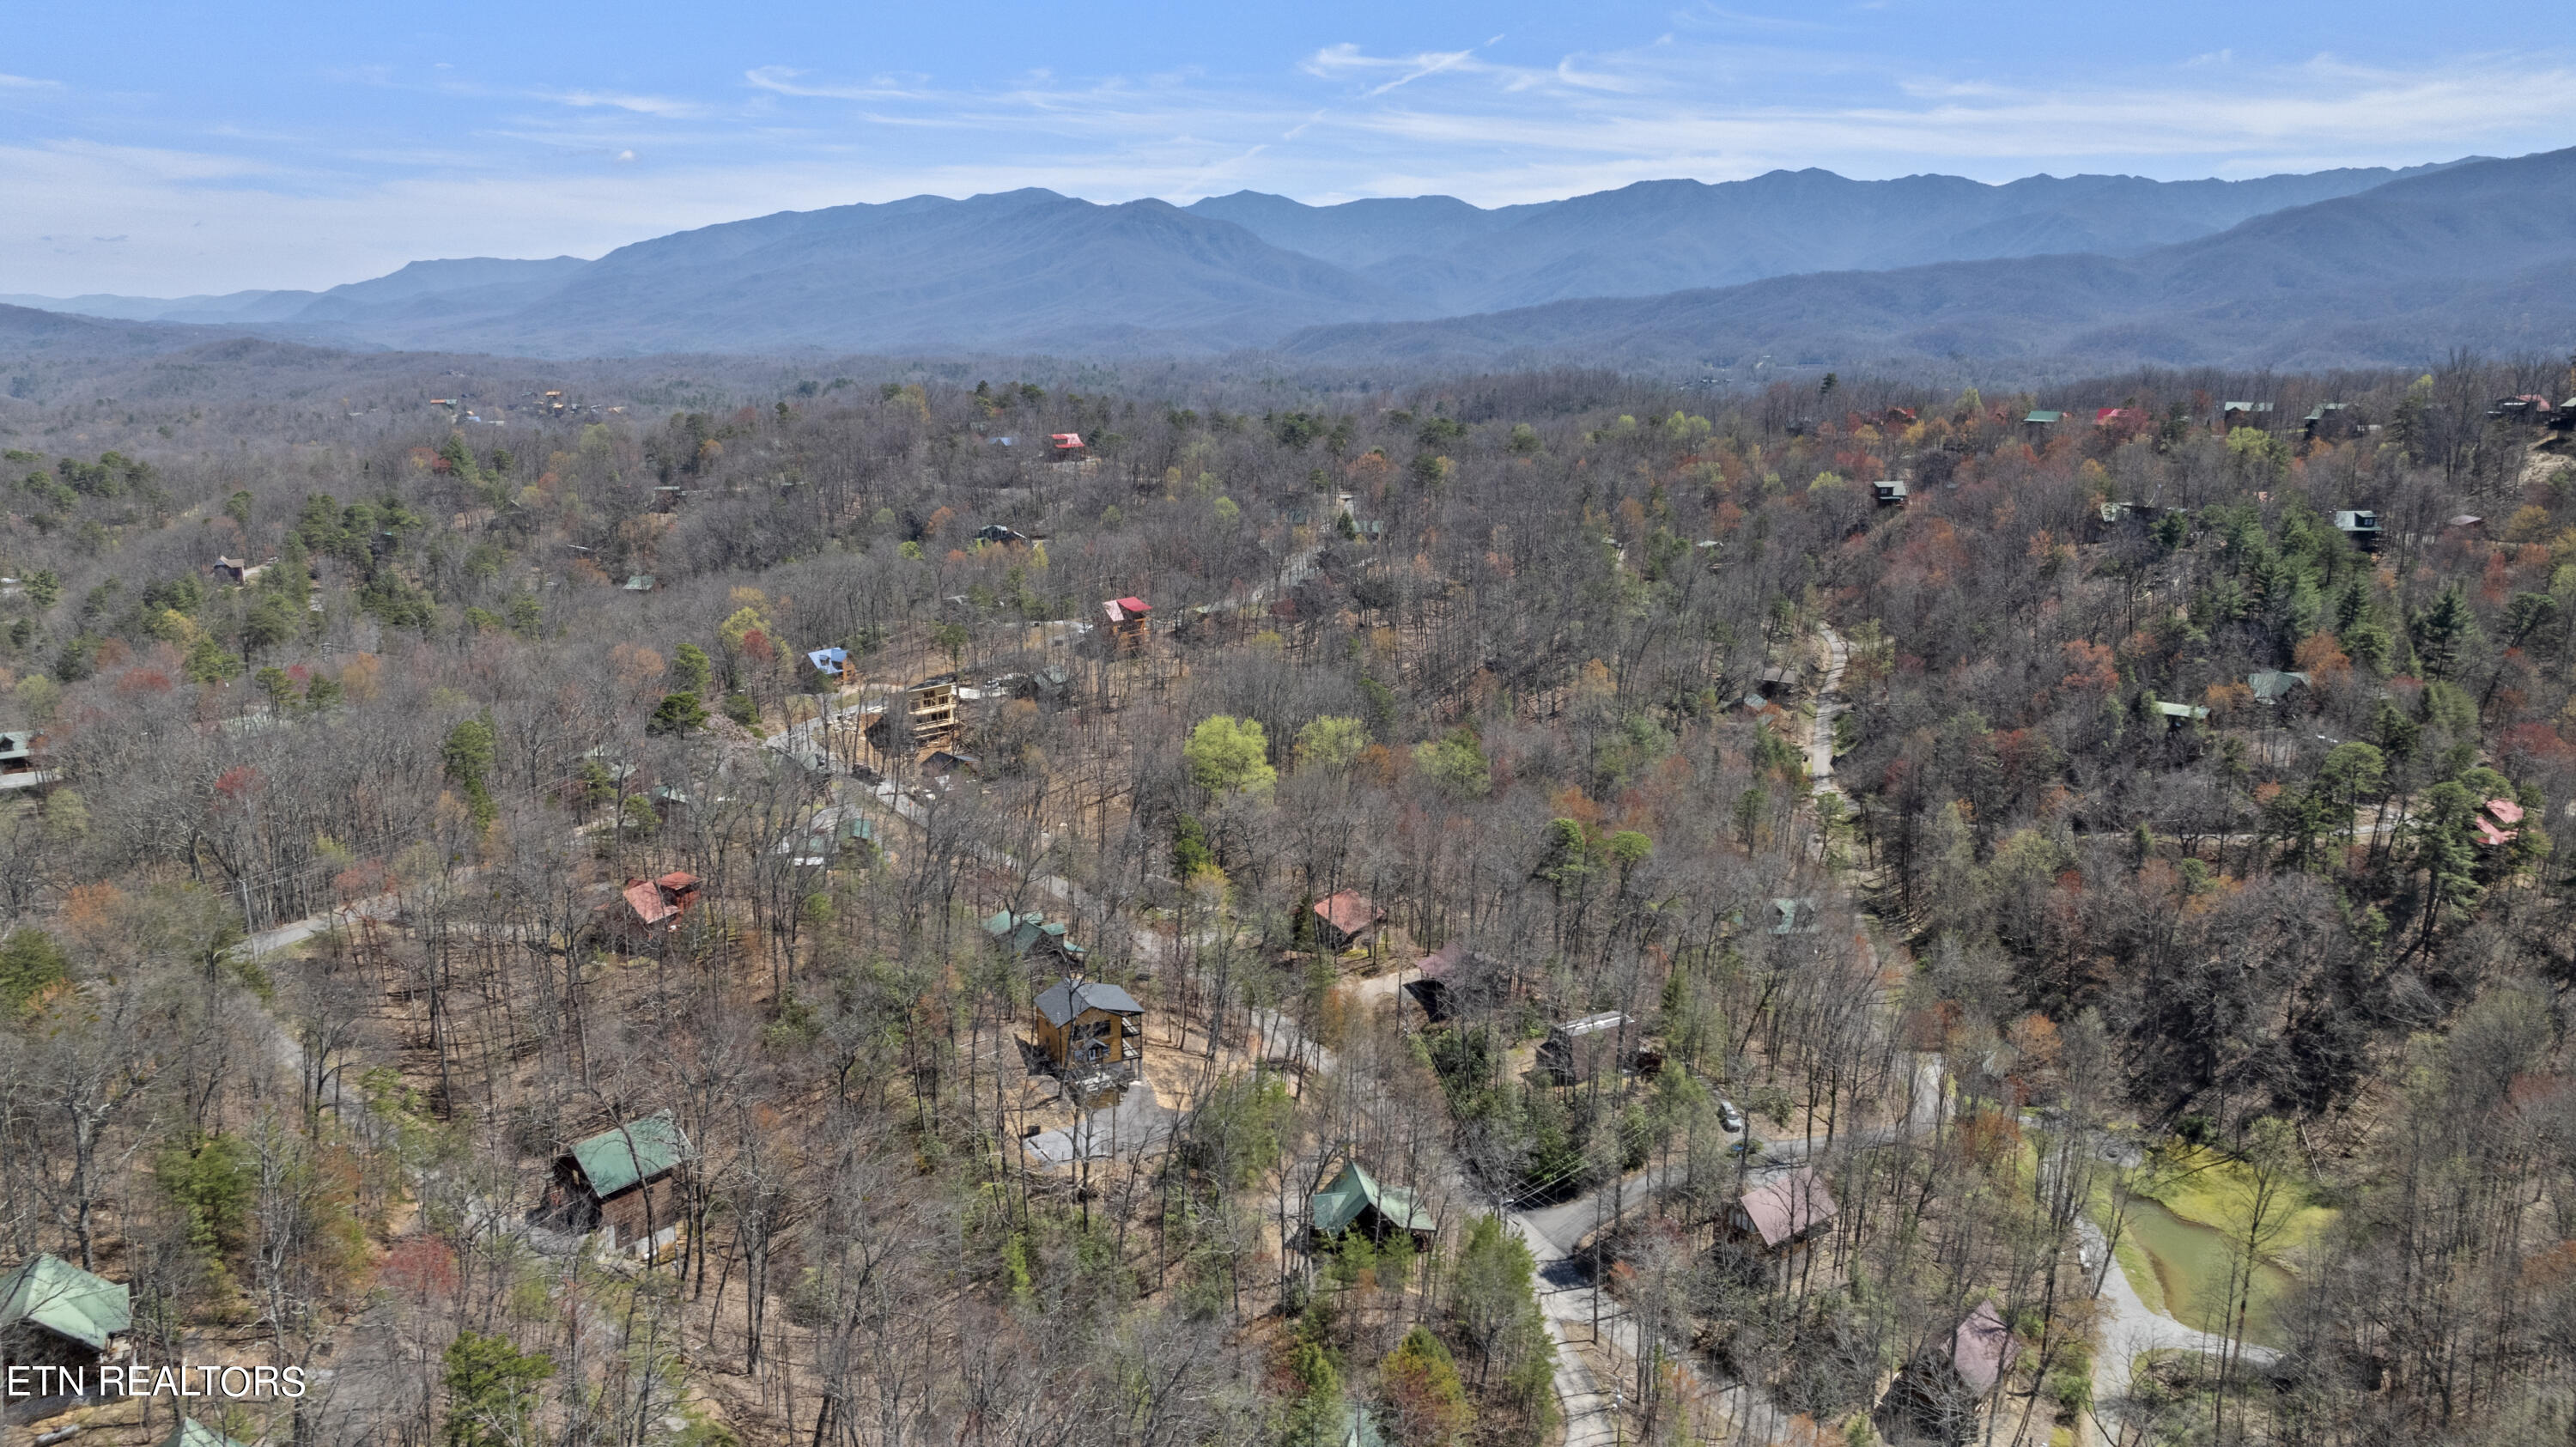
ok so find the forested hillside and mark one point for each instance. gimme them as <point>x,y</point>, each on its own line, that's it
<point>1147,909</point>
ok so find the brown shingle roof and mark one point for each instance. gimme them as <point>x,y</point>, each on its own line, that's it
<point>1785,1206</point>
<point>1982,1349</point>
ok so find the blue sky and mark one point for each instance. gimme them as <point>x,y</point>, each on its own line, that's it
<point>167,149</point>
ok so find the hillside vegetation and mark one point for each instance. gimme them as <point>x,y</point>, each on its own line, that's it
<point>432,802</point>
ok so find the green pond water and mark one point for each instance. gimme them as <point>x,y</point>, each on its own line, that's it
<point>2190,1262</point>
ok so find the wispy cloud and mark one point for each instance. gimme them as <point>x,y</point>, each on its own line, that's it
<point>22,82</point>
<point>644,105</point>
<point>783,80</point>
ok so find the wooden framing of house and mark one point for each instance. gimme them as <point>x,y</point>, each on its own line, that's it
<point>930,713</point>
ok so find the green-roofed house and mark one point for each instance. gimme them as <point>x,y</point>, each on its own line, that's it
<point>2043,418</point>
<point>2176,715</point>
<point>2271,685</point>
<point>1035,942</point>
<point>1356,1202</point>
<point>192,1433</point>
<point>53,1314</point>
<point>621,1181</point>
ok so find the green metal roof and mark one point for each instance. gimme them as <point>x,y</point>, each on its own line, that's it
<point>60,1297</point>
<point>2272,685</point>
<point>1793,916</point>
<point>192,1433</point>
<point>1024,932</point>
<point>2182,710</point>
<point>611,1164</point>
<point>2045,416</point>
<point>1338,1205</point>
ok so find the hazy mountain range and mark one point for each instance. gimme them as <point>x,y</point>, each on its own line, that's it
<point>2337,267</point>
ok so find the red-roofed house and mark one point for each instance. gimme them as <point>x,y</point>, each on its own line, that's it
<point>1127,623</point>
<point>1066,443</point>
<point>649,907</point>
<point>2505,811</point>
<point>2120,417</point>
<point>1939,1393</point>
<point>1347,920</point>
<point>1785,1210</point>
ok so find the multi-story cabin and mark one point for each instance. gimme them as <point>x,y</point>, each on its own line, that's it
<point>1088,1027</point>
<point>623,1181</point>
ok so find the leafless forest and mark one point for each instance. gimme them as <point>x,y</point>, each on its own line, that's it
<point>2065,950</point>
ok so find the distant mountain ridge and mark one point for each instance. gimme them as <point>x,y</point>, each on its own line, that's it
<point>2334,267</point>
<point>1662,236</point>
<point>2479,255</point>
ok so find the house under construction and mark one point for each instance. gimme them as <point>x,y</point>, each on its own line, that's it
<point>930,713</point>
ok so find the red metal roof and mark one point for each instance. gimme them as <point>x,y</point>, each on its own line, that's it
<point>1349,911</point>
<point>2505,810</point>
<point>1135,607</point>
<point>1065,441</point>
<point>645,898</point>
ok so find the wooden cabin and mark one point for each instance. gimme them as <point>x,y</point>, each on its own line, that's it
<point>2272,685</point>
<point>22,762</point>
<point>1034,941</point>
<point>646,909</point>
<point>1889,492</point>
<point>57,1318</point>
<point>1089,1026</point>
<point>2181,715</point>
<point>192,1433</point>
<point>1355,1201</point>
<point>1783,1211</point>
<point>2361,525</point>
<point>830,668</point>
<point>622,1181</point>
<point>1347,920</point>
<point>1128,623</point>
<point>1942,1392</point>
<point>1793,916</point>
<point>1577,1050</point>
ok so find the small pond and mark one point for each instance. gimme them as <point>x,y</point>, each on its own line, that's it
<point>2191,1266</point>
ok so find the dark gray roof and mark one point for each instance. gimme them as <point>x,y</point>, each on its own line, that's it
<point>1067,999</point>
